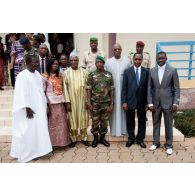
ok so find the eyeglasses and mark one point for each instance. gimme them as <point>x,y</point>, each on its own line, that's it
<point>117,49</point>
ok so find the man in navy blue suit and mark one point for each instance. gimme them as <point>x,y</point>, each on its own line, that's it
<point>134,97</point>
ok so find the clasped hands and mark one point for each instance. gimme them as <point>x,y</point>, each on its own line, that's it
<point>172,109</point>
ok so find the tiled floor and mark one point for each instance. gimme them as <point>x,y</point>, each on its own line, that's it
<point>116,153</point>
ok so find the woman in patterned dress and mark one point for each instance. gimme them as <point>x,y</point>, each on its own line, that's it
<point>53,84</point>
<point>17,54</point>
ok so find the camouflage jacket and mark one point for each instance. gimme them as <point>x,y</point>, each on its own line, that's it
<point>100,84</point>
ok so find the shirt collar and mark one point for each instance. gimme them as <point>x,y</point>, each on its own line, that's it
<point>41,57</point>
<point>139,68</point>
<point>162,67</point>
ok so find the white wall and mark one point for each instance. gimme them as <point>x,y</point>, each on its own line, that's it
<point>128,41</point>
<point>82,42</point>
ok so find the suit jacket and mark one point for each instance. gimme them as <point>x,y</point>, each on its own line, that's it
<point>168,92</point>
<point>39,67</point>
<point>132,94</point>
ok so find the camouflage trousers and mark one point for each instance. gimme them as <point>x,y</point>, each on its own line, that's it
<point>100,116</point>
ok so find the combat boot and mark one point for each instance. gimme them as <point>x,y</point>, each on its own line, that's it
<point>103,141</point>
<point>95,141</point>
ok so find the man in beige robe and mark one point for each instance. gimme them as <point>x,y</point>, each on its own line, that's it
<point>74,83</point>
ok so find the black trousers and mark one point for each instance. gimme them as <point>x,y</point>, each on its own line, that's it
<point>130,122</point>
<point>12,77</point>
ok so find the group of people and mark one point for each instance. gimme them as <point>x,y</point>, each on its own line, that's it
<point>12,54</point>
<point>55,99</point>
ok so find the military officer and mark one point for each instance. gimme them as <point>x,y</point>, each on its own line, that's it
<point>90,55</point>
<point>28,50</point>
<point>100,100</point>
<point>146,63</point>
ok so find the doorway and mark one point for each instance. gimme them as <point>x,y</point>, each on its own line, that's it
<point>66,39</point>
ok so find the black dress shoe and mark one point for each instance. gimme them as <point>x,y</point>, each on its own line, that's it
<point>72,144</point>
<point>86,143</point>
<point>129,144</point>
<point>142,144</point>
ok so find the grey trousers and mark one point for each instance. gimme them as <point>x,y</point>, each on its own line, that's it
<point>168,120</point>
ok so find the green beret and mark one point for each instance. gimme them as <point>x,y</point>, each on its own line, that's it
<point>100,58</point>
<point>93,39</point>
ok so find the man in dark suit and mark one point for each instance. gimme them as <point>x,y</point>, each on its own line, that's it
<point>134,97</point>
<point>43,59</point>
<point>163,97</point>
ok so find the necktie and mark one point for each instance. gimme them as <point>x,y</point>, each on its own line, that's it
<point>42,65</point>
<point>137,76</point>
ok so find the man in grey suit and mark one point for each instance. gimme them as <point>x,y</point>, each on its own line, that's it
<point>163,97</point>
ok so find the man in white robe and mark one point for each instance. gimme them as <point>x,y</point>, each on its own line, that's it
<point>117,65</point>
<point>30,138</point>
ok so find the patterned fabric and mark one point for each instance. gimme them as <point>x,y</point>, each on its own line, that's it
<point>17,70</point>
<point>18,50</point>
<point>56,82</point>
<point>58,126</point>
<point>74,81</point>
<point>74,134</point>
<point>100,116</point>
<point>100,83</point>
<point>53,87</point>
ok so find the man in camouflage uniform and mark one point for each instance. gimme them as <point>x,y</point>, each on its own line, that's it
<point>100,100</point>
<point>146,63</point>
<point>90,55</point>
<point>29,50</point>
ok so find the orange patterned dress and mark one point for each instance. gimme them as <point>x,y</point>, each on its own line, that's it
<point>57,119</point>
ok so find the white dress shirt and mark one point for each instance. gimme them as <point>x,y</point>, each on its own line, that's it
<point>161,71</point>
<point>139,71</point>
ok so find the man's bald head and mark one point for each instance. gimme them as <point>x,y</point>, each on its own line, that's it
<point>117,49</point>
<point>117,45</point>
<point>43,50</point>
